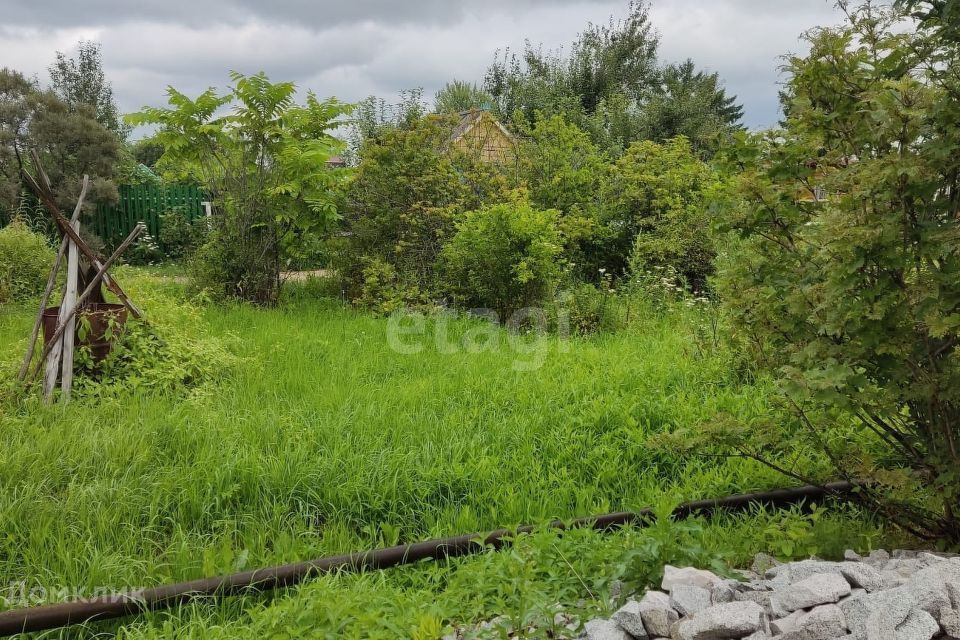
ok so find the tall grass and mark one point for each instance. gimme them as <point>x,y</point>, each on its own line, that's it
<point>325,440</point>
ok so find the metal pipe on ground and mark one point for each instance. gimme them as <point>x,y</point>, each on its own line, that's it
<point>164,597</point>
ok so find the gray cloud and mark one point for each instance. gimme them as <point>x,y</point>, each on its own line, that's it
<point>354,49</point>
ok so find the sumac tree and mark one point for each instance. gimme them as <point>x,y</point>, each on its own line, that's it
<point>264,164</point>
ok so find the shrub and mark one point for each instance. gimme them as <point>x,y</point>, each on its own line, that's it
<point>403,203</point>
<point>591,309</point>
<point>178,236</point>
<point>853,298</point>
<point>166,355</point>
<point>25,262</point>
<point>505,257</point>
<point>658,210</point>
<point>382,289</point>
<point>145,251</point>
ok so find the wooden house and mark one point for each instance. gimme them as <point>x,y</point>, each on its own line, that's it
<point>480,132</point>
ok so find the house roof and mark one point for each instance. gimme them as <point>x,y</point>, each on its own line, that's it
<point>471,118</point>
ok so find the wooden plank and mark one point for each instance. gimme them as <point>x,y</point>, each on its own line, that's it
<point>94,283</point>
<point>65,228</point>
<point>51,281</point>
<point>69,332</point>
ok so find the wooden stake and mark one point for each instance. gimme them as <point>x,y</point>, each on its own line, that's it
<point>56,359</point>
<point>70,332</point>
<point>86,293</point>
<point>51,281</point>
<point>65,228</point>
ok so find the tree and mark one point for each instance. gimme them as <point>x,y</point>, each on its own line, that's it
<point>458,96</point>
<point>690,103</point>
<point>81,81</point>
<point>564,170</point>
<point>847,283</point>
<point>70,143</point>
<point>372,117</point>
<point>612,87</point>
<point>264,165</point>
<point>616,59</point>
<point>658,210</point>
<point>505,257</point>
<point>410,187</point>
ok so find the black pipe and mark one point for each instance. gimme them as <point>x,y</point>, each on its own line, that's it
<point>124,604</point>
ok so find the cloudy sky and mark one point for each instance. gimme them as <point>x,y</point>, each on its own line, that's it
<point>355,48</point>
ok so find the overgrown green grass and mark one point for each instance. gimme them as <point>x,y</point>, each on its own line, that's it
<point>325,440</point>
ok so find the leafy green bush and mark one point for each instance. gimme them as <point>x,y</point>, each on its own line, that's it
<point>167,354</point>
<point>658,210</point>
<point>851,297</point>
<point>178,236</point>
<point>145,251</point>
<point>25,262</point>
<point>505,257</point>
<point>382,289</point>
<point>409,191</point>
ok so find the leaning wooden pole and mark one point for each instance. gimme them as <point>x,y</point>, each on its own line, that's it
<point>51,281</point>
<point>61,222</point>
<point>102,270</point>
<point>70,330</point>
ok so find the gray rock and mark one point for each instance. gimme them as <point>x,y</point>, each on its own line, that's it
<point>826,621</point>
<point>657,614</point>
<point>604,630</point>
<point>877,559</point>
<point>823,588</point>
<point>630,619</point>
<point>722,622</point>
<point>787,624</point>
<point>673,576</point>
<point>724,592</point>
<point>796,571</point>
<point>919,625</point>
<point>906,567</point>
<point>759,635</point>
<point>893,579</point>
<point>852,556</point>
<point>949,620</point>
<point>862,575</point>
<point>890,607</point>
<point>762,598</point>
<point>763,562</point>
<point>953,590</point>
<point>688,600</point>
<point>933,587</point>
<point>930,559</point>
<point>748,575</point>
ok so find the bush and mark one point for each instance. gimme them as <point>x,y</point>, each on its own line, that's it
<point>591,309</point>
<point>178,236</point>
<point>382,289</point>
<point>658,210</point>
<point>853,298</point>
<point>405,199</point>
<point>166,355</point>
<point>505,258</point>
<point>145,251</point>
<point>25,262</point>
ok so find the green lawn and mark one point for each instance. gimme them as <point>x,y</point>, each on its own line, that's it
<point>323,439</point>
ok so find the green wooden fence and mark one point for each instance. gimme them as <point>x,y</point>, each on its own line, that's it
<point>145,203</point>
